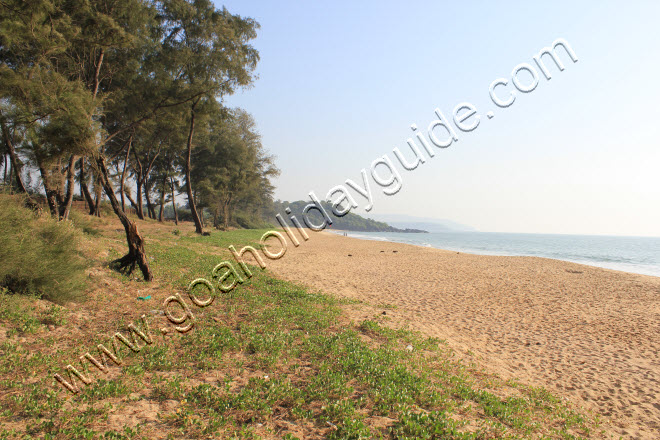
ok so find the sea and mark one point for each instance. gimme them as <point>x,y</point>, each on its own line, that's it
<point>630,254</point>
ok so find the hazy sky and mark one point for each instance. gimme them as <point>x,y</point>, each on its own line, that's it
<point>341,82</point>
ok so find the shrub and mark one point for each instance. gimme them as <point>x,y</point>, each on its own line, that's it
<point>184,215</point>
<point>85,222</point>
<point>247,221</point>
<point>106,209</point>
<point>39,255</point>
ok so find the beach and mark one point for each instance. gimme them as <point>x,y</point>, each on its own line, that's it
<point>588,334</point>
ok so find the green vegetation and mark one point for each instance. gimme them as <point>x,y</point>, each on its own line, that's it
<point>96,93</point>
<point>233,173</point>
<point>270,359</point>
<point>348,222</point>
<point>39,255</point>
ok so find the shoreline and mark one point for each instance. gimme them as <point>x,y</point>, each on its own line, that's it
<point>583,332</point>
<point>617,267</point>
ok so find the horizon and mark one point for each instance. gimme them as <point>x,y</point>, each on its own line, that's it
<point>443,221</point>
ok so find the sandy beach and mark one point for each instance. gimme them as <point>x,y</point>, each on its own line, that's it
<point>589,334</point>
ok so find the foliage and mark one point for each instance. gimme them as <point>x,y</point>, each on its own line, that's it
<point>108,90</point>
<point>233,172</point>
<point>39,255</point>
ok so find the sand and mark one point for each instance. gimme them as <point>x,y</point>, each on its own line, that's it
<point>589,334</point>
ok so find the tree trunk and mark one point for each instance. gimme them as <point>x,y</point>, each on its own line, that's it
<point>84,190</point>
<point>65,208</point>
<point>133,202</point>
<point>51,194</point>
<point>136,254</point>
<point>4,179</point>
<point>176,215</point>
<point>98,188</point>
<point>191,199</point>
<point>51,197</point>
<point>123,176</point>
<point>15,162</point>
<point>150,206</point>
<point>200,212</point>
<point>163,188</point>
<point>225,212</point>
<point>138,196</point>
<point>61,176</point>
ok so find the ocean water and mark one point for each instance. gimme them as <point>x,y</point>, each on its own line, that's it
<point>629,254</point>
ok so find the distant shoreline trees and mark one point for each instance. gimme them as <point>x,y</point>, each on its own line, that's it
<point>97,94</point>
<point>348,222</point>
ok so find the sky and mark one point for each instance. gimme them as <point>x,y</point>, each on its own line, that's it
<point>340,83</point>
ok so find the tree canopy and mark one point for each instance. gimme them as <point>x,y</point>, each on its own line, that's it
<point>122,99</point>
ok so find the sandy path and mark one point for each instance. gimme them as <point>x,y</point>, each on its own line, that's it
<point>586,333</point>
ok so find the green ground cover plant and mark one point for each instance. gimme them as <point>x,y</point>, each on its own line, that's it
<point>270,359</point>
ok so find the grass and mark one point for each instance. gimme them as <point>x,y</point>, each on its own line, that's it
<point>271,359</point>
<point>24,317</point>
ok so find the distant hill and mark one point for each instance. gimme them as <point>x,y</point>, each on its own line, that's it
<point>426,223</point>
<point>349,222</point>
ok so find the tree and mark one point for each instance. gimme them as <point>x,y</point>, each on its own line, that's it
<point>87,87</point>
<point>9,150</point>
<point>42,99</point>
<point>53,65</point>
<point>236,169</point>
<point>209,55</point>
